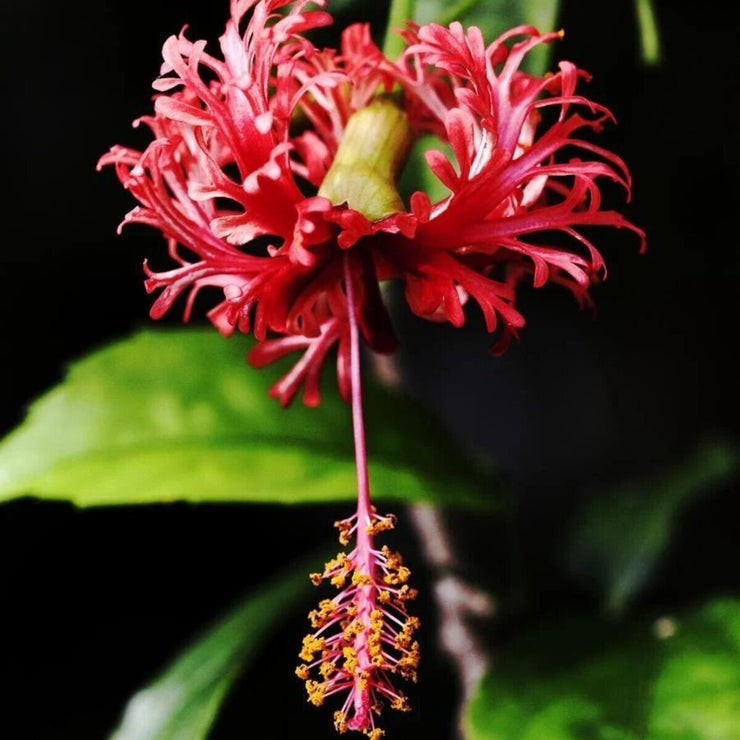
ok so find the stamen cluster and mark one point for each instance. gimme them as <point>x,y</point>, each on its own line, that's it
<point>363,636</point>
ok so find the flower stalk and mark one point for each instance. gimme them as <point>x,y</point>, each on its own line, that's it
<point>399,13</point>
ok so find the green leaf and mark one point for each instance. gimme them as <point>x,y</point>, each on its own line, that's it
<point>168,415</point>
<point>182,703</point>
<point>622,534</point>
<point>679,680</point>
<point>494,17</point>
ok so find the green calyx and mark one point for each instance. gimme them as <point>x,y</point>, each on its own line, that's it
<point>370,158</point>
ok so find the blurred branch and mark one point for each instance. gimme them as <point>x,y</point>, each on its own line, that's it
<point>457,602</point>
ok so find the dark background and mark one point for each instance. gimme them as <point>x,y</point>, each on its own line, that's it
<point>95,602</point>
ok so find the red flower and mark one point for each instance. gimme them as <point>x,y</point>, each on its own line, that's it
<point>239,140</point>
<point>272,175</point>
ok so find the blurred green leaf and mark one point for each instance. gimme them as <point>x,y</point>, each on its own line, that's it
<point>167,415</point>
<point>649,34</point>
<point>494,17</point>
<point>679,680</point>
<point>621,535</point>
<point>418,176</point>
<point>182,703</point>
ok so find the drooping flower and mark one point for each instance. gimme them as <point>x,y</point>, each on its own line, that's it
<point>273,173</point>
<point>241,141</point>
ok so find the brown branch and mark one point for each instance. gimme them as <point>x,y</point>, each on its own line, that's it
<point>458,602</point>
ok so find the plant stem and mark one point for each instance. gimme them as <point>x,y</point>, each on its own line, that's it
<point>400,11</point>
<point>649,35</point>
<point>457,11</point>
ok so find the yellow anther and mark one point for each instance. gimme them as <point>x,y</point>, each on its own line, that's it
<point>350,660</point>
<point>302,672</point>
<point>401,704</point>
<point>311,645</point>
<point>340,722</point>
<point>327,606</point>
<point>315,692</point>
<point>361,579</point>
<point>406,594</point>
<point>393,559</point>
<point>339,562</point>
<point>354,628</point>
<point>345,529</point>
<point>381,525</point>
<point>375,734</point>
<point>339,580</point>
<point>327,670</point>
<point>321,616</point>
<point>408,664</point>
<point>316,578</point>
<point>397,573</point>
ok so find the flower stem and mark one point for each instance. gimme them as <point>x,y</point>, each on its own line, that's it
<point>400,11</point>
<point>456,12</point>
<point>649,34</point>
